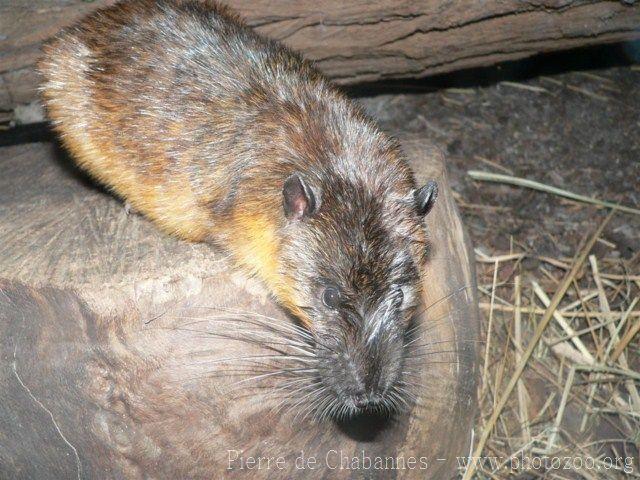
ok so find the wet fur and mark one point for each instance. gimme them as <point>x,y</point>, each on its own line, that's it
<point>197,121</point>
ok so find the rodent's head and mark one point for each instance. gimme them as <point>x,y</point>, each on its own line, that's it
<point>353,257</point>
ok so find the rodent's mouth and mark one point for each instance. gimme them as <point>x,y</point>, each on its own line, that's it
<point>352,406</point>
<point>387,404</point>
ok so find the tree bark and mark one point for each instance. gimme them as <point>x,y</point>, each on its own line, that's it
<point>112,337</point>
<point>353,41</point>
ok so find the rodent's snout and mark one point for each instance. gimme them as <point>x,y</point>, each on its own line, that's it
<point>369,379</point>
<point>365,401</point>
<point>365,377</point>
<point>360,400</point>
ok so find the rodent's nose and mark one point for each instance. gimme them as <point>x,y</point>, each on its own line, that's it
<point>360,400</point>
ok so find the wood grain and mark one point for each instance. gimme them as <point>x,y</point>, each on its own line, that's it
<point>354,41</point>
<point>111,345</point>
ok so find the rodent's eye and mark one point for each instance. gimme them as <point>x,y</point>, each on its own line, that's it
<point>331,297</point>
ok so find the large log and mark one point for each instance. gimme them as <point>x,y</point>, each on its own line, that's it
<point>111,336</point>
<point>354,41</point>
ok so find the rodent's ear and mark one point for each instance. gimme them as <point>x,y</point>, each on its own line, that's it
<point>298,199</point>
<point>425,197</point>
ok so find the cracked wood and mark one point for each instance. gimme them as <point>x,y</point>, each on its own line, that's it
<point>113,336</point>
<point>355,42</point>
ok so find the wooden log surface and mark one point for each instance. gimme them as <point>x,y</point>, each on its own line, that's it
<point>111,365</point>
<point>354,41</point>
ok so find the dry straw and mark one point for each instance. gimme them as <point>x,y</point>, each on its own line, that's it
<point>525,182</point>
<point>560,372</point>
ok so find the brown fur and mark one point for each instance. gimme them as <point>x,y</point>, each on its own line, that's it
<point>198,122</point>
<point>108,135</point>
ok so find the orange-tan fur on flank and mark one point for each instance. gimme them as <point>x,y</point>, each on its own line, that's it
<point>220,135</point>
